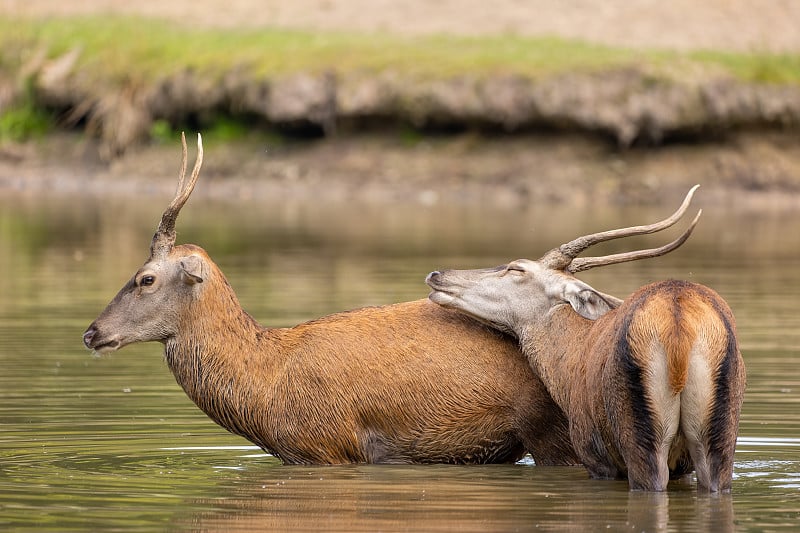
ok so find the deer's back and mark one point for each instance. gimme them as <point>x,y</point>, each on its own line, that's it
<point>412,382</point>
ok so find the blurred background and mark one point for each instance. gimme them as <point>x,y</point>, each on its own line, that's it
<point>351,147</point>
<point>508,101</point>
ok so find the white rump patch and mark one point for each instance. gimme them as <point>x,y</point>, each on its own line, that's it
<point>665,406</point>
<point>698,395</point>
<point>696,404</point>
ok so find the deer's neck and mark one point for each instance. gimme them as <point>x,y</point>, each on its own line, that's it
<point>219,358</point>
<point>556,349</point>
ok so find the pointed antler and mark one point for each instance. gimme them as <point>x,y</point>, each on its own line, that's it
<point>585,263</point>
<point>164,238</point>
<point>564,257</point>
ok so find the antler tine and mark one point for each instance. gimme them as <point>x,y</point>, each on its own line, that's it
<point>562,256</point>
<point>184,161</point>
<point>185,188</point>
<point>164,238</point>
<point>585,263</point>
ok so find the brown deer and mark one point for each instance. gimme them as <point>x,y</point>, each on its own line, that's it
<point>403,383</point>
<point>652,386</point>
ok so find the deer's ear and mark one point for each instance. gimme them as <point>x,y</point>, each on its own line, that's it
<point>586,301</point>
<point>192,269</point>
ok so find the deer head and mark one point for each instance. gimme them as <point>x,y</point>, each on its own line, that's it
<point>512,296</point>
<point>148,306</point>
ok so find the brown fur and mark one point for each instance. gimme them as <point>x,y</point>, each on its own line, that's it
<point>604,374</point>
<point>652,385</point>
<point>404,383</point>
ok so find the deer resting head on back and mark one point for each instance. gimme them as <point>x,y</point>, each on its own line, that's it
<point>403,383</point>
<point>652,385</point>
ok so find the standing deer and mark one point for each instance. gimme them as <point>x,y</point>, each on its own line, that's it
<point>652,386</point>
<point>404,383</point>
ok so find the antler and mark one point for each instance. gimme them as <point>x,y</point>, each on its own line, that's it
<point>164,238</point>
<point>564,257</point>
<point>585,263</point>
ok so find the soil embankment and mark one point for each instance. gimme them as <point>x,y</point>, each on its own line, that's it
<point>621,133</point>
<point>628,106</point>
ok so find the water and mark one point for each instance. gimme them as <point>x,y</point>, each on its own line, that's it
<point>113,443</point>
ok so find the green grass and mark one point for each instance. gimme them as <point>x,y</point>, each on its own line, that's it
<point>760,68</point>
<point>219,129</point>
<point>24,122</point>
<point>136,49</point>
<point>121,48</point>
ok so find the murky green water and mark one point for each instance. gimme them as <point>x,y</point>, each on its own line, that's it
<point>113,443</point>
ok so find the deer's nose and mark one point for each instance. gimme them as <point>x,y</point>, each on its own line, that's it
<point>432,276</point>
<point>88,336</point>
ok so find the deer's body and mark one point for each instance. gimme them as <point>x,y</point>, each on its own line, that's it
<point>652,386</point>
<point>652,389</point>
<point>404,383</point>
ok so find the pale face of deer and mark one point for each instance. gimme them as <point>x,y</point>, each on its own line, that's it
<point>522,293</point>
<point>517,295</point>
<point>148,307</point>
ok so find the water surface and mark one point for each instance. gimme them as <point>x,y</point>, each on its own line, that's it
<point>113,443</point>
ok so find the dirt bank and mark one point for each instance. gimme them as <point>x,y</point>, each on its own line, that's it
<point>627,134</point>
<point>622,135</point>
<point>748,170</point>
<point>628,105</point>
<point>645,101</point>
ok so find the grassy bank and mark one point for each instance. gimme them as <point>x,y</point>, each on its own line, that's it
<point>114,48</point>
<point>140,49</point>
<point>126,79</point>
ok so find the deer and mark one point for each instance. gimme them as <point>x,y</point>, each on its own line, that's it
<point>652,385</point>
<point>401,383</point>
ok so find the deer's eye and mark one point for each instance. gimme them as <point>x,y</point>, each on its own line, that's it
<point>516,269</point>
<point>146,281</point>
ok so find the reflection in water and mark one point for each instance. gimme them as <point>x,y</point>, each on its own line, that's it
<point>114,443</point>
<point>496,498</point>
<point>680,511</point>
